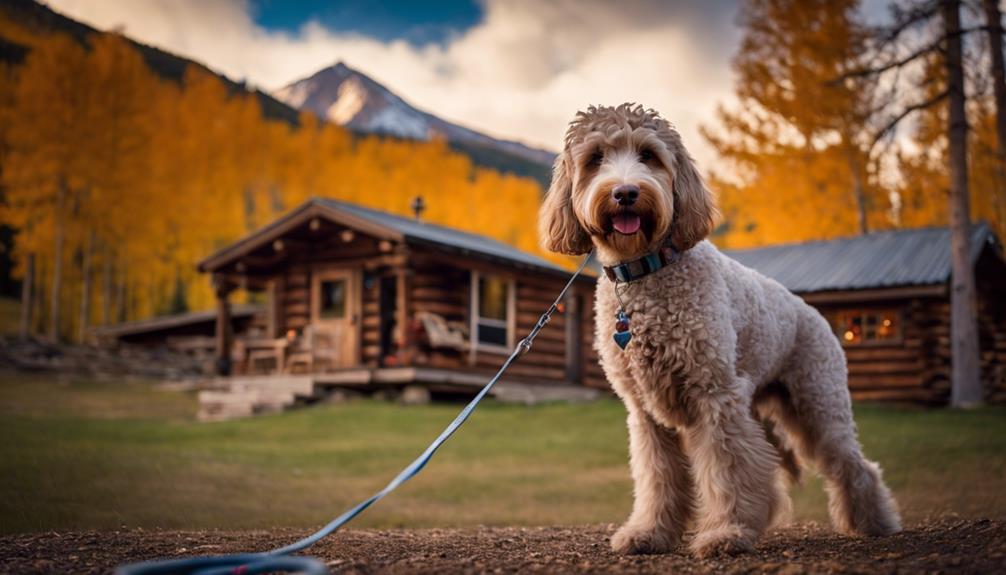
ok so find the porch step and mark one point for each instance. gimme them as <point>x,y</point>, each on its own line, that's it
<point>245,396</point>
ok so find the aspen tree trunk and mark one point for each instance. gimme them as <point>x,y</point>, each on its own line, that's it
<point>966,372</point>
<point>57,265</point>
<point>108,284</point>
<point>993,22</point>
<point>121,294</point>
<point>85,294</point>
<point>27,292</point>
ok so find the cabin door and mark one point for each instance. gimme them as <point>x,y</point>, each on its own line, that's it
<point>335,305</point>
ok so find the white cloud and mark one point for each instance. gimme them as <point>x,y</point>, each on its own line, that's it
<point>521,73</point>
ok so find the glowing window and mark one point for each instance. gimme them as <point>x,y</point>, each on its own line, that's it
<point>857,327</point>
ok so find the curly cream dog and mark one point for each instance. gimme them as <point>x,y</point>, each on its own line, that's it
<point>726,374</point>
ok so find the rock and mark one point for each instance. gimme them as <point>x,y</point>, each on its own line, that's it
<point>415,395</point>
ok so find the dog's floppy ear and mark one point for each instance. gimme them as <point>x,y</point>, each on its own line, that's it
<point>694,210</point>
<point>558,227</point>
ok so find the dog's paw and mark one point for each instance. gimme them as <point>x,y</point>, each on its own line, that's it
<point>727,540</point>
<point>634,540</point>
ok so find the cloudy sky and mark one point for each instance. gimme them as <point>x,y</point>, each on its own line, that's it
<point>513,68</point>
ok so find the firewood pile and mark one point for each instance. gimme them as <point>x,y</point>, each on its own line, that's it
<point>69,359</point>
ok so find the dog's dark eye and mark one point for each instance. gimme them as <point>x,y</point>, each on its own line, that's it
<point>647,155</point>
<point>595,159</point>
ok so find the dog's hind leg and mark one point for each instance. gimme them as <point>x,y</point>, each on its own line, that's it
<point>817,414</point>
<point>663,489</point>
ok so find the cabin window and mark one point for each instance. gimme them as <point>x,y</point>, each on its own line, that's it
<point>492,311</point>
<point>859,327</point>
<point>333,299</point>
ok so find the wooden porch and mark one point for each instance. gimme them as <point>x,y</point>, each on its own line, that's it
<point>240,396</point>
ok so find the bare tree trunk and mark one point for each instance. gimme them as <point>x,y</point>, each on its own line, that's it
<point>857,187</point>
<point>993,21</point>
<point>858,193</point>
<point>57,265</point>
<point>85,295</point>
<point>966,384</point>
<point>27,289</point>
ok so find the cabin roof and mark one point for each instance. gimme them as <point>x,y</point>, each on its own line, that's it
<point>899,258</point>
<point>383,225</point>
<point>163,322</point>
<point>425,232</point>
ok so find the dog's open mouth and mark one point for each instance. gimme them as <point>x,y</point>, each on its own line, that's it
<point>626,222</point>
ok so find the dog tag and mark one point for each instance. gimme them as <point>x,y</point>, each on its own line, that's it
<point>622,335</point>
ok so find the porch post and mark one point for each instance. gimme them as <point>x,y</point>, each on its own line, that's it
<point>224,329</point>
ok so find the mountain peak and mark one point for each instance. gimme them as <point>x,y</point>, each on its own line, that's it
<point>339,67</point>
<point>350,98</point>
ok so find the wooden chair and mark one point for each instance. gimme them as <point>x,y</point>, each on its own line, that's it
<point>300,353</point>
<point>442,334</point>
<point>316,348</point>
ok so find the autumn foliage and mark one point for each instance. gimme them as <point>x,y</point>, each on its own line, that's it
<point>804,152</point>
<point>120,181</point>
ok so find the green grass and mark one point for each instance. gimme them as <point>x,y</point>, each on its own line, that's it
<point>88,454</point>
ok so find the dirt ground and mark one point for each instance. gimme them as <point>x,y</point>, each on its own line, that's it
<point>941,546</point>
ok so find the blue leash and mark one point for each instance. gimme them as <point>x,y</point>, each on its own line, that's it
<point>279,560</point>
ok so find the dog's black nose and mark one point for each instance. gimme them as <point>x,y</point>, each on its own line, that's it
<point>626,194</point>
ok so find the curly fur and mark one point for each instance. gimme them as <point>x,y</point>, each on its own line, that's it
<point>729,378</point>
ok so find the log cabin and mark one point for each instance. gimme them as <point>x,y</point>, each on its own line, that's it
<point>887,297</point>
<point>358,296</point>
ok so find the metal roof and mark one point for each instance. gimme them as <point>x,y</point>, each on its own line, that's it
<point>897,258</point>
<point>380,224</point>
<point>424,232</point>
<point>171,321</point>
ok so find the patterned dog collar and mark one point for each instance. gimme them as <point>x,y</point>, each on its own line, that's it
<point>644,266</point>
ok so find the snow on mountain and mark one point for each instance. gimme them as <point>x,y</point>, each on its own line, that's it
<point>352,99</point>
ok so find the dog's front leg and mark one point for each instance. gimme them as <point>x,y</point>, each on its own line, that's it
<point>734,467</point>
<point>663,489</point>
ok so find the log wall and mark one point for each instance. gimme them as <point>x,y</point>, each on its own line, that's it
<point>593,375</point>
<point>443,286</point>
<point>918,368</point>
<point>910,369</point>
<point>992,337</point>
<point>370,320</point>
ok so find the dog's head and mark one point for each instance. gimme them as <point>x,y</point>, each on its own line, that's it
<point>625,183</point>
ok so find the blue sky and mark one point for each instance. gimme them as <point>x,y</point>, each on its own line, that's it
<point>415,22</point>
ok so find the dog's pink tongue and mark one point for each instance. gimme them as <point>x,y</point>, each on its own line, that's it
<point>626,223</point>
